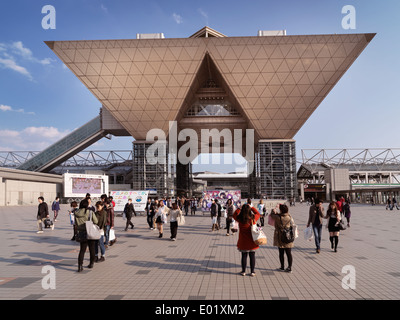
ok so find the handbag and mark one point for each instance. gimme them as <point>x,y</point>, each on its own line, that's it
<point>271,221</point>
<point>92,230</point>
<point>258,235</point>
<point>180,219</point>
<point>287,233</point>
<point>234,226</point>
<point>341,225</point>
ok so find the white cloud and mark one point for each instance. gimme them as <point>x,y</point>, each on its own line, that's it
<point>203,13</point>
<point>8,108</point>
<point>10,52</point>
<point>30,138</point>
<point>104,8</point>
<point>11,64</point>
<point>178,19</point>
<point>19,49</point>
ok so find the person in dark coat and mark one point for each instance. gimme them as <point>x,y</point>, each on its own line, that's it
<point>230,210</point>
<point>101,215</point>
<point>55,207</point>
<point>42,214</point>
<point>214,214</point>
<point>129,211</point>
<point>315,217</point>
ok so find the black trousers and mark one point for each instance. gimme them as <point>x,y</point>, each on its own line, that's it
<point>150,220</point>
<point>174,229</point>
<point>252,256</point>
<point>228,224</point>
<point>282,257</point>
<point>128,223</point>
<point>84,245</point>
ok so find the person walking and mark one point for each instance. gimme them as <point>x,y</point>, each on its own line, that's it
<point>394,203</point>
<point>42,214</point>
<point>347,212</point>
<point>246,216</point>
<point>186,205</point>
<point>101,215</point>
<point>161,217</point>
<point>334,216</point>
<point>219,214</point>
<point>81,216</point>
<point>230,210</point>
<point>282,220</point>
<point>174,214</point>
<point>315,217</point>
<point>129,211</point>
<point>193,206</point>
<point>149,213</point>
<point>214,214</point>
<point>389,204</point>
<point>55,207</point>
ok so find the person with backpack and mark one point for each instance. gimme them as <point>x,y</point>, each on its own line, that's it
<point>284,236</point>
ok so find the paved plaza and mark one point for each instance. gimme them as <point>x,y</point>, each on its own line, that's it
<point>200,265</point>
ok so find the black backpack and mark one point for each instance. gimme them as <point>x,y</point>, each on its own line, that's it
<point>287,234</point>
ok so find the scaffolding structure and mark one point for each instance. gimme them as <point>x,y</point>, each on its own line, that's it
<point>156,177</point>
<point>276,169</point>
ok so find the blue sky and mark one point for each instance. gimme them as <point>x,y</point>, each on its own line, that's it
<point>40,100</point>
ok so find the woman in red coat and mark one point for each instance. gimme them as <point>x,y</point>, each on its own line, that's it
<point>246,216</point>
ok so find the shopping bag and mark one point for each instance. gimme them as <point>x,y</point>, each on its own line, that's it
<point>214,220</point>
<point>271,221</point>
<point>258,235</point>
<point>308,234</point>
<point>72,218</point>
<point>180,219</point>
<point>234,226</point>
<point>295,231</point>
<point>112,235</point>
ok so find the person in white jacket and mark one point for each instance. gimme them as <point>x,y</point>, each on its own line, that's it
<point>161,217</point>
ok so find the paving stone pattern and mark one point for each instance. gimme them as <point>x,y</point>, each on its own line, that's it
<point>200,265</point>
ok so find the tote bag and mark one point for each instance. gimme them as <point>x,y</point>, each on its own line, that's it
<point>92,230</point>
<point>180,219</point>
<point>258,235</point>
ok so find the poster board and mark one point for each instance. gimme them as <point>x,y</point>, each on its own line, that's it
<point>222,196</point>
<point>139,199</point>
<point>78,185</point>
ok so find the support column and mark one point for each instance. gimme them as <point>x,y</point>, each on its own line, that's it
<point>151,168</point>
<point>277,166</point>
